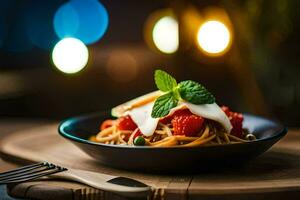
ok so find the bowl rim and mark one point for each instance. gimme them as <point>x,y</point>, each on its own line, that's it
<point>281,132</point>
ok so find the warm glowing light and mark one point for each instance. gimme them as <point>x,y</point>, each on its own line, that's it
<point>165,35</point>
<point>213,37</point>
<point>124,72</point>
<point>70,55</point>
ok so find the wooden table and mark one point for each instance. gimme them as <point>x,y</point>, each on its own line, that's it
<point>275,175</point>
<point>8,126</point>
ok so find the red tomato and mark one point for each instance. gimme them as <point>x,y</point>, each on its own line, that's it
<point>186,123</point>
<point>107,123</point>
<point>236,120</point>
<point>126,123</point>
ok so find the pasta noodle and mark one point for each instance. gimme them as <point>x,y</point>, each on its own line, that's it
<point>163,137</point>
<point>186,115</point>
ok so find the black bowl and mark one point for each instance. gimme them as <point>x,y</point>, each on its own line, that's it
<point>151,159</point>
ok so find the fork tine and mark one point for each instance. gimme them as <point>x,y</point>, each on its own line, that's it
<point>34,176</point>
<point>21,169</point>
<point>28,172</point>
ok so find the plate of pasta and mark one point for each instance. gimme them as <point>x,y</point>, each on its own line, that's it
<point>178,126</point>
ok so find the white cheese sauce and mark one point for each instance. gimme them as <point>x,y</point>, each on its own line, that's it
<point>147,125</point>
<point>142,117</point>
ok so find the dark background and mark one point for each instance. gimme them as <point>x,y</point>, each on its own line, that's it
<point>259,74</point>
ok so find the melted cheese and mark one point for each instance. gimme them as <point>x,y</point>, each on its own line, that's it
<point>147,125</point>
<point>142,117</point>
<point>207,111</point>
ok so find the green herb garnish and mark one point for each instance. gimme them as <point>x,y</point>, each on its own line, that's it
<point>164,81</point>
<point>190,91</point>
<point>164,104</point>
<point>195,93</point>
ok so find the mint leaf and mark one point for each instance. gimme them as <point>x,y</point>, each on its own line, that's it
<point>163,105</point>
<point>164,81</point>
<point>190,91</point>
<point>195,93</point>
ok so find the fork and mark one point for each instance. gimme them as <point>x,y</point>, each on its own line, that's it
<point>122,185</point>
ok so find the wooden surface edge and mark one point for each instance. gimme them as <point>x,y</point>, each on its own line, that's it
<point>14,190</point>
<point>160,189</point>
<point>171,192</point>
<point>55,189</point>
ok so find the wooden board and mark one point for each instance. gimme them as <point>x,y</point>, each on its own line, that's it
<point>44,143</point>
<point>274,175</point>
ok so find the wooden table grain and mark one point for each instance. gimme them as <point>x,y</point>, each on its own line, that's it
<point>274,175</point>
<point>10,125</point>
<point>7,126</point>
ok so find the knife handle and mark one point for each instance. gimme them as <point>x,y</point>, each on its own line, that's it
<point>99,181</point>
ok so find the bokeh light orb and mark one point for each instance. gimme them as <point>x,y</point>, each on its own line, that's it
<point>86,20</point>
<point>70,55</point>
<point>165,35</point>
<point>213,37</point>
<point>66,21</point>
<point>126,71</point>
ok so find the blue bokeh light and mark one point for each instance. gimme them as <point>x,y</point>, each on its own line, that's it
<point>66,21</point>
<point>86,20</point>
<point>39,27</point>
<point>26,25</point>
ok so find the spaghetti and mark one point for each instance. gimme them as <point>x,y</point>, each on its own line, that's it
<point>183,114</point>
<point>163,136</point>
